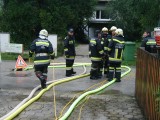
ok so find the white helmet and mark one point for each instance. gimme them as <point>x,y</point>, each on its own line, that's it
<point>43,33</point>
<point>119,32</point>
<point>113,28</point>
<point>104,29</point>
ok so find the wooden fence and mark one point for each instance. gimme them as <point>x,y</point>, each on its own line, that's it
<point>148,84</point>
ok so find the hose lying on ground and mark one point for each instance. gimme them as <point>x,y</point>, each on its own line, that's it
<point>22,107</point>
<point>69,111</point>
<point>35,89</point>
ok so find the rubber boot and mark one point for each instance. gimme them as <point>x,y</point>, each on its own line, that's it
<point>106,72</point>
<point>68,73</point>
<point>118,76</point>
<point>43,83</point>
<point>93,75</point>
<point>100,74</point>
<point>44,80</point>
<point>40,76</point>
<point>110,75</point>
<point>73,72</point>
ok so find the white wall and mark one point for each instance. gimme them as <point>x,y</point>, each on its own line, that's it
<point>4,41</point>
<point>53,39</point>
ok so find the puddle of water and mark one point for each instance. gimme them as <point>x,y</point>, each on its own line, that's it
<point>19,74</point>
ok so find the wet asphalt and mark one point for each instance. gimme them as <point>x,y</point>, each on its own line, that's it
<point>117,102</point>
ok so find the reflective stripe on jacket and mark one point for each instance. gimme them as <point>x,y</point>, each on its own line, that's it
<point>151,42</point>
<point>116,47</point>
<point>96,50</point>
<point>69,46</point>
<point>43,51</point>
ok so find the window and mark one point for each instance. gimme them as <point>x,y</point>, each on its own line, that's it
<point>98,14</point>
<point>101,14</point>
<point>104,15</point>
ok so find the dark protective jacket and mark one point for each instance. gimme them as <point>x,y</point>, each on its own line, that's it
<point>148,41</point>
<point>151,41</point>
<point>96,50</point>
<point>69,46</point>
<point>104,43</point>
<point>116,47</point>
<point>43,51</point>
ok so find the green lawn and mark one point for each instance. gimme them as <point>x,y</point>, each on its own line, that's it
<point>12,56</point>
<point>129,63</point>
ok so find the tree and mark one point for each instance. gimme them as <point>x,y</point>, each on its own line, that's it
<point>135,16</point>
<point>20,19</point>
<point>148,11</point>
<point>126,18</point>
<point>24,18</point>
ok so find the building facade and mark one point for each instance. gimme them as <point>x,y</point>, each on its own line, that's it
<point>101,18</point>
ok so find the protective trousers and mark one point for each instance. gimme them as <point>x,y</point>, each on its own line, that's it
<point>114,69</point>
<point>104,66</point>
<point>94,73</point>
<point>41,73</point>
<point>69,67</point>
<point>101,66</point>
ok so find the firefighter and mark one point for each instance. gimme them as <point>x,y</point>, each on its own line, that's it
<point>116,47</point>
<point>104,43</point>
<point>43,50</point>
<point>69,51</point>
<point>96,54</point>
<point>148,42</point>
<point>145,37</point>
<point>113,29</point>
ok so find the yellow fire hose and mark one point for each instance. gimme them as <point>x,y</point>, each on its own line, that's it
<point>20,109</point>
<point>56,83</point>
<point>66,115</point>
<point>40,94</point>
<point>36,88</point>
<point>95,85</point>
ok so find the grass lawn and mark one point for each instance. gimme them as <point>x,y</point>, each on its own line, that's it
<point>129,63</point>
<point>12,56</point>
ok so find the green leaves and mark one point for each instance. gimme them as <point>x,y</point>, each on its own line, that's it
<point>135,16</point>
<point>25,18</point>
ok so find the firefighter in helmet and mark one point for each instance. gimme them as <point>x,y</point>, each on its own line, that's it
<point>43,50</point>
<point>116,47</point>
<point>96,54</point>
<point>113,29</point>
<point>69,51</point>
<point>104,43</point>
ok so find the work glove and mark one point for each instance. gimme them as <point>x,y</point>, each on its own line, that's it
<point>67,56</point>
<point>30,54</point>
<point>53,56</point>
